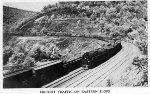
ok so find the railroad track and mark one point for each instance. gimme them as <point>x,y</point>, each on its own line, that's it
<point>135,52</point>
<point>101,72</point>
<point>93,78</point>
<point>90,78</point>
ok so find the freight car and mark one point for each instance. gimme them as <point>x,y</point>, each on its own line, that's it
<point>96,57</point>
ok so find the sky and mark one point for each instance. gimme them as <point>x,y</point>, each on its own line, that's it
<point>31,6</point>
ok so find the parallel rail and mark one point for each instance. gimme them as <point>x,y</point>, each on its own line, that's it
<point>97,73</point>
<point>84,78</point>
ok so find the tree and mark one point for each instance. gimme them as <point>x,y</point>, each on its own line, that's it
<point>29,62</point>
<point>7,53</point>
<point>16,59</point>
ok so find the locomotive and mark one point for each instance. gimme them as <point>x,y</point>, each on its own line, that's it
<point>96,57</point>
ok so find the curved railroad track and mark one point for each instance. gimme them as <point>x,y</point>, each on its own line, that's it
<point>93,77</point>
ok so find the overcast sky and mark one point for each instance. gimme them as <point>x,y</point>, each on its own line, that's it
<point>32,6</point>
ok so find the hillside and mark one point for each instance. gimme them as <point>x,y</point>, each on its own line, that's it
<point>13,15</point>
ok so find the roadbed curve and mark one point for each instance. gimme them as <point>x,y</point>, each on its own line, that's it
<point>93,77</point>
<point>90,79</point>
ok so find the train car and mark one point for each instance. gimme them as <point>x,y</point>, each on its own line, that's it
<point>96,57</point>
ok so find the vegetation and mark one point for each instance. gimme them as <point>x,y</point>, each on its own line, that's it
<point>42,52</point>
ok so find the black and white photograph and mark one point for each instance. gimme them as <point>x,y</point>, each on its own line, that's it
<point>75,44</point>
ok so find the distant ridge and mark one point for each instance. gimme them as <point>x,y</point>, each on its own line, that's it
<point>18,9</point>
<point>11,15</point>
